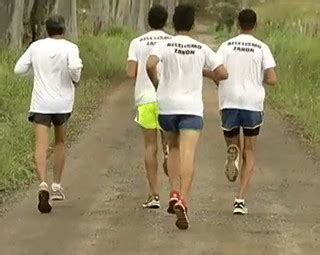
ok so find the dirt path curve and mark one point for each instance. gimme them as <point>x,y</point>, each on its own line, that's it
<point>105,186</point>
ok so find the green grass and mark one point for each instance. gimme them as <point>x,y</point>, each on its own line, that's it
<point>298,90</point>
<point>103,57</point>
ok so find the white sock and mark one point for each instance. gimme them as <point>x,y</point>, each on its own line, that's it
<point>237,200</point>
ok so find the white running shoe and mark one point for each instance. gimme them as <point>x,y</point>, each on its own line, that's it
<point>152,202</point>
<point>239,207</point>
<point>56,192</point>
<point>232,163</point>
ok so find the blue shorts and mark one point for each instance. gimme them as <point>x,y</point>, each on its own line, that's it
<point>175,123</point>
<point>234,119</point>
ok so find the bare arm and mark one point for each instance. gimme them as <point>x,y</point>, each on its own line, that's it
<point>217,75</point>
<point>270,77</point>
<point>132,69</point>
<point>152,69</point>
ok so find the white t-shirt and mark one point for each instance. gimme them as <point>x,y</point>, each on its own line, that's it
<point>246,58</point>
<point>139,51</point>
<point>56,65</point>
<point>180,86</point>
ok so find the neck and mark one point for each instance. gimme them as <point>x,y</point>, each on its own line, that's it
<point>247,32</point>
<point>56,37</point>
<point>187,33</point>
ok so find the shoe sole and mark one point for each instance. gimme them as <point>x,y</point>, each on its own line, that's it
<point>239,212</point>
<point>152,206</point>
<point>44,206</point>
<point>182,219</point>
<point>172,203</point>
<point>232,171</point>
<point>56,198</point>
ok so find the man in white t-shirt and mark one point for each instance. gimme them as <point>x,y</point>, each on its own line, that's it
<point>179,96</point>
<point>241,99</point>
<point>145,98</point>
<point>56,67</point>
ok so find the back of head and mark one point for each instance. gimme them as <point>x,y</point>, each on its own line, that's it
<point>247,19</point>
<point>55,25</point>
<point>157,17</point>
<point>184,17</point>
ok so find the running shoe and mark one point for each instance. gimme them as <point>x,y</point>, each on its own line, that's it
<point>57,192</point>
<point>152,202</point>
<point>44,196</point>
<point>174,198</point>
<point>181,211</point>
<point>239,207</point>
<point>232,163</point>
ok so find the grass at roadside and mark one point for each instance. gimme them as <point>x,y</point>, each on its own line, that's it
<point>103,56</point>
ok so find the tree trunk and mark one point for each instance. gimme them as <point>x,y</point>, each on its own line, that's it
<point>41,9</point>
<point>122,13</point>
<point>101,15</point>
<point>16,26</point>
<point>6,12</point>
<point>144,4</point>
<point>68,9</point>
<point>114,10</point>
<point>134,14</point>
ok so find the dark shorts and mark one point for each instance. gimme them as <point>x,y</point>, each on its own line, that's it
<point>175,123</point>
<point>46,119</point>
<point>235,119</point>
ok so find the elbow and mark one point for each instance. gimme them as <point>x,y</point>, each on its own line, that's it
<point>224,76</point>
<point>271,81</point>
<point>131,75</point>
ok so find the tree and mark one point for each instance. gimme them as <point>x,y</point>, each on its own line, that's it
<point>100,10</point>
<point>68,9</point>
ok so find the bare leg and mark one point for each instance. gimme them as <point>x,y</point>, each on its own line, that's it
<point>59,153</point>
<point>233,141</point>
<point>188,145</point>
<point>41,150</point>
<point>249,159</point>
<point>151,162</point>
<point>165,149</point>
<point>173,160</point>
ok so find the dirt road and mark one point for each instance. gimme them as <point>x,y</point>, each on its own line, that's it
<point>105,186</point>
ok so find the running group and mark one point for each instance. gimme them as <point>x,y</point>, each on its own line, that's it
<point>168,73</point>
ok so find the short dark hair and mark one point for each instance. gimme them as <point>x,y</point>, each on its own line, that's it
<point>157,17</point>
<point>184,17</point>
<point>55,25</point>
<point>247,19</point>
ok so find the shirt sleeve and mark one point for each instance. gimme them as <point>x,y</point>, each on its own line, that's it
<point>212,59</point>
<point>268,59</point>
<point>132,54</point>
<point>74,63</point>
<point>24,64</point>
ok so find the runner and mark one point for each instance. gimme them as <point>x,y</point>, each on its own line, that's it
<point>145,99</point>
<point>250,64</point>
<point>56,67</point>
<point>179,96</point>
